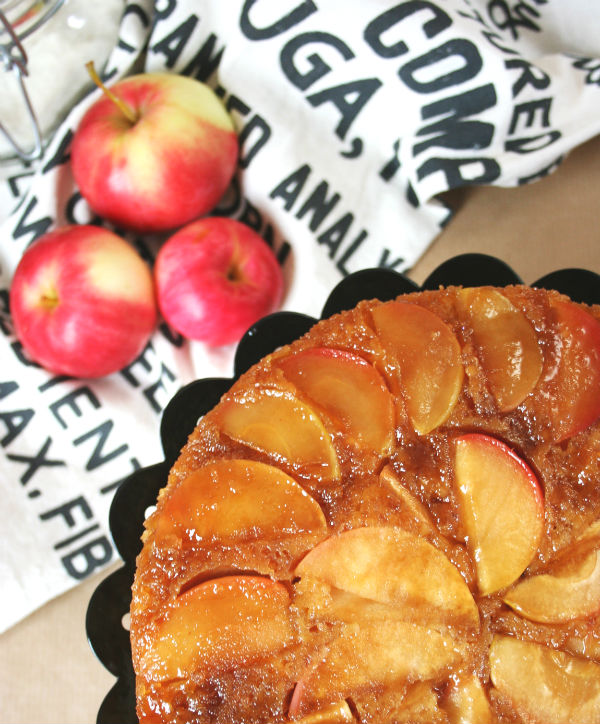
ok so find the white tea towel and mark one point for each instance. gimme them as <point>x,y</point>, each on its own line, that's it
<point>353,116</point>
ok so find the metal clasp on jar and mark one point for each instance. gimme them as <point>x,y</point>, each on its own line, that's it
<point>13,58</point>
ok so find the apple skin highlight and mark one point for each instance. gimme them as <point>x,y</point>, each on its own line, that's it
<point>82,302</point>
<point>169,167</point>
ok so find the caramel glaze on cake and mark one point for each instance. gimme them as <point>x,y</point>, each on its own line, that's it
<point>393,519</point>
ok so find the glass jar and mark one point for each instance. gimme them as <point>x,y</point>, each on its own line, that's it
<point>44,45</point>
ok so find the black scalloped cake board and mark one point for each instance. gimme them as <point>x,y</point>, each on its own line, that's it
<point>110,601</point>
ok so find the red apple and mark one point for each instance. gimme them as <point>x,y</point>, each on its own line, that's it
<point>215,278</point>
<point>159,156</point>
<point>82,302</point>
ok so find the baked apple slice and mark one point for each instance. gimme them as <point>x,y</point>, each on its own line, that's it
<point>379,654</point>
<point>279,425</point>
<point>240,500</point>
<point>223,622</point>
<point>570,591</point>
<point>502,509</point>
<point>389,565</point>
<point>339,713</point>
<point>429,359</point>
<point>577,379</point>
<point>543,684</point>
<point>506,343</point>
<point>420,703</point>
<point>466,703</point>
<point>348,389</point>
<point>408,503</point>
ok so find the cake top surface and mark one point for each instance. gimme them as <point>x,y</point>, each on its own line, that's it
<point>391,518</point>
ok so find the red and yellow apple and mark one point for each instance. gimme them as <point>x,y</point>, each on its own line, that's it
<point>158,158</point>
<point>215,278</point>
<point>502,507</point>
<point>82,302</point>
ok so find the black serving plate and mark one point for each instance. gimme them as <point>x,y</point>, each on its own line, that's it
<point>107,634</point>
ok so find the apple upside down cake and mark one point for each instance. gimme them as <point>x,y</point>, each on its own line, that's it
<point>396,518</point>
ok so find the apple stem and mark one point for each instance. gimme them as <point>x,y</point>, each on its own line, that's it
<point>124,107</point>
<point>49,299</point>
<point>234,274</point>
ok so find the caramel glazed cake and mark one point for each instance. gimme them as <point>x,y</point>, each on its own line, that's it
<point>396,518</point>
